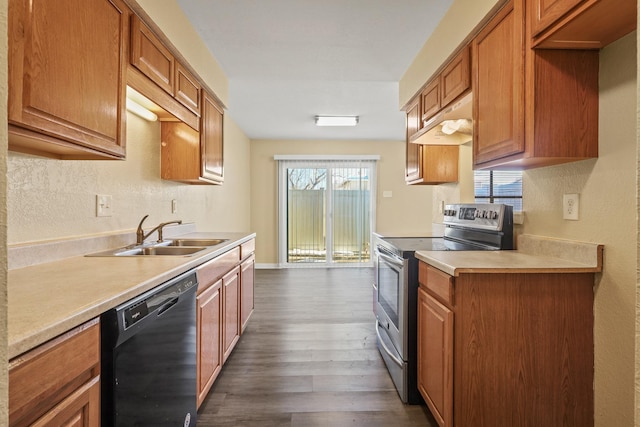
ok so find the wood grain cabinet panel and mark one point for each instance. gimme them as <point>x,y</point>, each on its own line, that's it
<point>435,357</point>
<point>194,157</point>
<point>430,99</point>
<point>580,24</point>
<point>504,370</point>
<point>67,78</point>
<point>455,78</point>
<point>151,56</point>
<point>211,140</point>
<point>209,330</point>
<point>58,383</point>
<point>230,312</point>
<point>412,155</point>
<point>187,89</point>
<point>247,276</point>
<point>532,107</point>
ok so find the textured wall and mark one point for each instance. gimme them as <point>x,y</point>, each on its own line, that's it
<point>608,215</point>
<point>49,199</point>
<point>409,209</point>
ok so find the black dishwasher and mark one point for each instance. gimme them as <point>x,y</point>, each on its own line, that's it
<point>149,357</point>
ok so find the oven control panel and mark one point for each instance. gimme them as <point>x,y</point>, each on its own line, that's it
<point>485,216</point>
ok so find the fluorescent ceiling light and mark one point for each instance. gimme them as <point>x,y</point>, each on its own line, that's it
<point>139,110</point>
<point>336,120</point>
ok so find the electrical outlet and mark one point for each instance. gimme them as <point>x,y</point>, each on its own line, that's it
<point>571,206</point>
<point>174,206</point>
<point>103,205</point>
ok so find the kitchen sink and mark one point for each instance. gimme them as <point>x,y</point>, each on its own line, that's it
<point>160,250</point>
<point>196,242</point>
<point>174,247</point>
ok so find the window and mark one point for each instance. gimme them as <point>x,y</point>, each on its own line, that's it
<point>499,187</point>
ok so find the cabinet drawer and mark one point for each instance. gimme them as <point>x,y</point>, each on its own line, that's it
<point>247,248</point>
<point>209,272</point>
<point>437,283</point>
<point>42,378</point>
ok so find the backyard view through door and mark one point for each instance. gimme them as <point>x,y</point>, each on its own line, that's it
<point>328,212</point>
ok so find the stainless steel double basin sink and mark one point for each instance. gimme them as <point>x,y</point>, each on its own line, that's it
<point>174,247</point>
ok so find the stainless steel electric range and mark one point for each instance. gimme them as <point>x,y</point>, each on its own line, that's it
<point>468,227</point>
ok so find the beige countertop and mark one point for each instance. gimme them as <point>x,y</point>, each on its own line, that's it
<point>46,300</point>
<point>535,254</point>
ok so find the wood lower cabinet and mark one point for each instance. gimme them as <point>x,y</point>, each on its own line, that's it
<point>435,368</point>
<point>230,312</point>
<point>58,383</point>
<point>209,332</point>
<point>247,276</point>
<point>67,78</point>
<point>532,107</point>
<point>224,301</point>
<point>522,347</point>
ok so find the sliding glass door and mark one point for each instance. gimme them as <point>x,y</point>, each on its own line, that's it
<point>326,212</point>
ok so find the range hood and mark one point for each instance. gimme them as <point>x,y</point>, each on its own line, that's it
<point>451,126</point>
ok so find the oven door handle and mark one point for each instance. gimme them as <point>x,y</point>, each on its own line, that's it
<point>398,262</point>
<point>385,348</point>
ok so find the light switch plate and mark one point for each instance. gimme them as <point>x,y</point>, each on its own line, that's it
<point>103,205</point>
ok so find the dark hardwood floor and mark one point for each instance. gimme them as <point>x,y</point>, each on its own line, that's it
<point>308,358</point>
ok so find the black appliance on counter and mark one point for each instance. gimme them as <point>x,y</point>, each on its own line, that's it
<point>468,227</point>
<point>149,357</point>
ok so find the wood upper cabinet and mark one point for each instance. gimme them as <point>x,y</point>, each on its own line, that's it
<point>498,91</point>
<point>412,158</point>
<point>194,157</point>
<point>58,383</point>
<point>150,56</point>
<point>209,332</point>
<point>211,140</point>
<point>435,357</point>
<point>67,77</point>
<point>487,366</point>
<point>430,100</point>
<point>156,61</point>
<point>455,78</point>
<point>532,108</point>
<point>580,24</point>
<point>453,81</point>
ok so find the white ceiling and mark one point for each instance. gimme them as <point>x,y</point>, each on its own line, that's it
<point>290,60</point>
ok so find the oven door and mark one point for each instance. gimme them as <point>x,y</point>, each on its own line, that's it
<point>392,299</point>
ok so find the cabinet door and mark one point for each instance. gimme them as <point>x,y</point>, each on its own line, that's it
<point>435,357</point>
<point>247,276</point>
<point>455,79</point>
<point>209,317</point>
<point>412,165</point>
<point>67,84</point>
<point>211,140</point>
<point>81,408</point>
<point>430,98</point>
<point>231,313</point>
<point>440,164</point>
<point>150,56</point>
<point>546,12</point>
<point>188,90</point>
<point>498,91</point>
<point>58,377</point>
